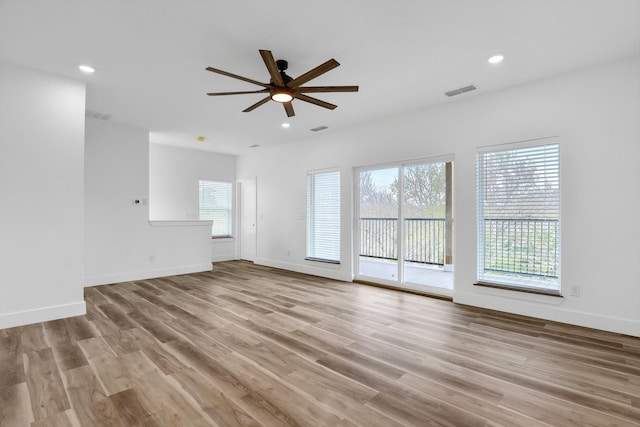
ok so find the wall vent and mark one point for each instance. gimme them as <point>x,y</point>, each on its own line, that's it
<point>95,115</point>
<point>319,128</point>
<point>461,90</point>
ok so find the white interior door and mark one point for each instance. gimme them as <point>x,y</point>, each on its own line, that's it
<point>247,195</point>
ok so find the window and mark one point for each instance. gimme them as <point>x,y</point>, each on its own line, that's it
<point>215,204</point>
<point>323,216</point>
<point>519,216</point>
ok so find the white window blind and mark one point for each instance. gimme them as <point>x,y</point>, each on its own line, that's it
<point>215,204</point>
<point>323,216</point>
<point>519,217</point>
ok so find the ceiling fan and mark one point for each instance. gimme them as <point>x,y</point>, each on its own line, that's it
<point>284,89</point>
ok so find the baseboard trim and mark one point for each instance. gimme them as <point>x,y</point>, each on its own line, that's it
<point>329,273</point>
<point>43,314</point>
<point>222,258</point>
<point>146,274</point>
<point>551,312</point>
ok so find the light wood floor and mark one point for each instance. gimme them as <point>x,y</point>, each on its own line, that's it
<point>248,345</point>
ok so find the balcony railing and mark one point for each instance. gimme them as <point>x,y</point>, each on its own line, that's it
<point>525,247</point>
<point>424,237</point>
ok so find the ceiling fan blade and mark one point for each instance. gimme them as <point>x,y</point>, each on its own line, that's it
<point>235,76</point>
<point>237,93</point>
<point>312,74</point>
<point>257,104</point>
<point>289,109</point>
<point>267,57</point>
<point>316,89</point>
<point>316,101</point>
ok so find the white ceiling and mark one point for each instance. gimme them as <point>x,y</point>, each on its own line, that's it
<point>151,55</point>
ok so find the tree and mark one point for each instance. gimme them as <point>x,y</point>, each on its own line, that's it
<point>375,202</point>
<point>424,190</point>
<point>513,181</point>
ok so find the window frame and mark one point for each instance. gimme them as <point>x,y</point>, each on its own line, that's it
<point>313,251</point>
<point>518,281</point>
<point>228,209</point>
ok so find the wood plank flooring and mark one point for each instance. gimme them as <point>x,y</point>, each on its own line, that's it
<point>245,345</point>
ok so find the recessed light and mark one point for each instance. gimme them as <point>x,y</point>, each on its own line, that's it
<point>86,69</point>
<point>286,125</point>
<point>254,146</point>
<point>496,59</point>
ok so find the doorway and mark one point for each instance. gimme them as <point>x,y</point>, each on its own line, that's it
<point>247,201</point>
<point>404,235</point>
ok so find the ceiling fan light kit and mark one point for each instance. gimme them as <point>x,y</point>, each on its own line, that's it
<point>282,95</point>
<point>284,89</point>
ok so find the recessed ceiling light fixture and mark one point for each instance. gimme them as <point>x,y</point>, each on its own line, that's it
<point>496,59</point>
<point>286,125</point>
<point>87,69</point>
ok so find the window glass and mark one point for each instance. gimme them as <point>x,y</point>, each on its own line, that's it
<point>323,216</point>
<point>215,204</point>
<point>519,217</point>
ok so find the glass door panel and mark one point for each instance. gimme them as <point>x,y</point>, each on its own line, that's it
<point>424,210</point>
<point>379,224</point>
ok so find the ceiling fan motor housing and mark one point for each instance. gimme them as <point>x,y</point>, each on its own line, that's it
<point>282,64</point>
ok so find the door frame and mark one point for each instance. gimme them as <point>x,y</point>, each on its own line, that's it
<point>400,282</point>
<point>241,192</point>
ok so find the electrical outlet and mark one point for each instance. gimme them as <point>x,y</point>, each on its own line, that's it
<point>574,291</point>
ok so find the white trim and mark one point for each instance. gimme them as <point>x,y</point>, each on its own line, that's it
<point>438,158</point>
<point>193,223</point>
<point>223,239</point>
<point>543,308</point>
<point>224,257</point>
<point>43,314</point>
<point>146,274</point>
<point>545,140</point>
<point>308,269</point>
<point>324,170</point>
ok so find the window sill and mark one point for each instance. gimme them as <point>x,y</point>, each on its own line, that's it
<point>326,261</point>
<point>181,223</point>
<point>527,290</point>
<point>222,239</point>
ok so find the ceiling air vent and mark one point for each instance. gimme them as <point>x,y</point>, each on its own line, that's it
<point>319,128</point>
<point>461,90</point>
<point>95,115</point>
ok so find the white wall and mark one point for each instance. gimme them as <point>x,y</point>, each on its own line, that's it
<point>173,189</point>
<point>41,196</point>
<point>121,243</point>
<point>594,112</point>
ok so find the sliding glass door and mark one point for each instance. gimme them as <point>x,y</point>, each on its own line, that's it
<point>405,226</point>
<point>378,225</point>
